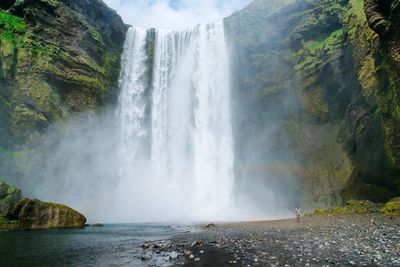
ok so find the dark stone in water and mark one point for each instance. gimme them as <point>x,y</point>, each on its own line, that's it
<point>211,225</point>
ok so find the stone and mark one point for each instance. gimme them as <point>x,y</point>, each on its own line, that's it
<point>35,214</point>
<point>173,255</point>
<point>145,258</point>
<point>146,245</point>
<point>197,243</point>
<point>211,225</point>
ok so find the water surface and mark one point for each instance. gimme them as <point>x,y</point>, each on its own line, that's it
<point>112,245</point>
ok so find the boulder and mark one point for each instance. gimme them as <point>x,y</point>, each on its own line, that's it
<point>9,196</point>
<point>35,214</point>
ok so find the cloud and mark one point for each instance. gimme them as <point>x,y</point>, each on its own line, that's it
<point>173,14</point>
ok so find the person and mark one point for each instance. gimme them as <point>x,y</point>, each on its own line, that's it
<point>298,214</point>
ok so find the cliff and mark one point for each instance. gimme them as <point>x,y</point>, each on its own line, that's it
<point>316,83</point>
<point>57,57</point>
<point>317,88</point>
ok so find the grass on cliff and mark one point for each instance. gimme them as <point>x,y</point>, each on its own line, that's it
<point>11,23</point>
<point>392,207</point>
<point>331,40</point>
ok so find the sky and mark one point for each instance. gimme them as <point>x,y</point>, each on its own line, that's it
<point>173,14</point>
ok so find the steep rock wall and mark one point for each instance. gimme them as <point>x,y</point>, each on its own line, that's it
<point>317,90</point>
<point>57,57</point>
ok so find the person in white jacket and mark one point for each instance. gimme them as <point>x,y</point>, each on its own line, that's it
<point>298,213</point>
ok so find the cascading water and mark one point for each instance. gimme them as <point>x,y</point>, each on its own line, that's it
<point>175,121</point>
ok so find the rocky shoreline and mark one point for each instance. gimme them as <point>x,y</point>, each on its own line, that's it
<point>343,240</point>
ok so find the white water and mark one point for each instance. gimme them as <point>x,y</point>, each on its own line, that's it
<point>176,135</point>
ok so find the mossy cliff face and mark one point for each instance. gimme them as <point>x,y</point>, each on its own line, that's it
<point>317,88</point>
<point>56,58</point>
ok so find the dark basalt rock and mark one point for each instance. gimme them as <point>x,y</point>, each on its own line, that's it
<point>377,12</point>
<point>6,4</point>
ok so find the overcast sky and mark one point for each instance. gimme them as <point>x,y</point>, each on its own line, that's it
<point>173,14</point>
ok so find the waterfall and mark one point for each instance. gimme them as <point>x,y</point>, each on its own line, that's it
<point>175,120</point>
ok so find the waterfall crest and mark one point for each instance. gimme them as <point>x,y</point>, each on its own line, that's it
<point>175,120</point>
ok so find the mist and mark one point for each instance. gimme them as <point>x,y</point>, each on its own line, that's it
<point>178,147</point>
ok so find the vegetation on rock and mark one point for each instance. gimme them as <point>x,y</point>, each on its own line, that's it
<point>327,83</point>
<point>47,73</point>
<point>35,214</point>
<point>23,213</point>
<point>392,207</point>
<point>351,207</point>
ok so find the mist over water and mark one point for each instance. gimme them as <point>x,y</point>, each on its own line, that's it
<point>165,153</point>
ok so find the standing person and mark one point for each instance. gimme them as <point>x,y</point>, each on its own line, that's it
<point>298,214</point>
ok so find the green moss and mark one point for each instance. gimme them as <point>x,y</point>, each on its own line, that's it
<point>392,207</point>
<point>357,8</point>
<point>334,38</point>
<point>5,223</point>
<point>351,207</point>
<point>11,23</point>
<point>96,35</point>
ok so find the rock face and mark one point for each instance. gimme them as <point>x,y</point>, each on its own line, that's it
<point>377,15</point>
<point>35,214</point>
<point>57,57</point>
<point>318,90</point>
<point>9,196</point>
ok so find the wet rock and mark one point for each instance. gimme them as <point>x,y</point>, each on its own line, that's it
<point>211,225</point>
<point>145,258</point>
<point>146,245</point>
<point>197,243</point>
<point>98,225</point>
<point>174,255</point>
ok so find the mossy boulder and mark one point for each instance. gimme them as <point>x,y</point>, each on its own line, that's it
<point>392,207</point>
<point>35,214</point>
<point>9,196</point>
